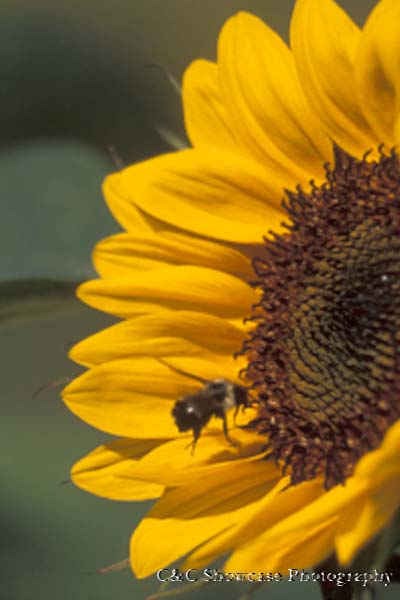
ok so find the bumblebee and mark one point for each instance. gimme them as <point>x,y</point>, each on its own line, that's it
<point>214,399</point>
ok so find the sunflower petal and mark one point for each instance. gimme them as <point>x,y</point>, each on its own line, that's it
<point>162,333</point>
<point>172,464</point>
<point>378,475</point>
<point>100,471</point>
<point>277,505</point>
<point>324,41</point>
<point>120,397</point>
<point>126,252</point>
<point>265,99</point>
<point>206,119</point>
<point>172,287</point>
<point>125,212</point>
<point>310,547</point>
<point>360,524</point>
<point>314,522</point>
<point>213,366</point>
<point>378,68</point>
<point>189,515</point>
<point>219,195</point>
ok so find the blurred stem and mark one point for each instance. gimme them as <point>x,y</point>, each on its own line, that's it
<point>329,590</point>
<point>32,296</point>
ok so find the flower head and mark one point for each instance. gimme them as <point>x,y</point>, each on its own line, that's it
<point>266,256</point>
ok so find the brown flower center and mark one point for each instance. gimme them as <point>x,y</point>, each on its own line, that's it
<point>324,357</point>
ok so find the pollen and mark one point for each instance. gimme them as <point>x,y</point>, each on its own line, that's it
<point>324,354</point>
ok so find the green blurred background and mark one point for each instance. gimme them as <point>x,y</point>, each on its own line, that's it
<point>75,80</point>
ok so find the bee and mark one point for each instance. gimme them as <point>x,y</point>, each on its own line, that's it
<point>214,399</point>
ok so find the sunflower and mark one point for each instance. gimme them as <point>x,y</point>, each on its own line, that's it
<point>266,255</point>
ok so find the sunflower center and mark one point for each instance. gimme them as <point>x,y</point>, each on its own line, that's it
<point>324,356</point>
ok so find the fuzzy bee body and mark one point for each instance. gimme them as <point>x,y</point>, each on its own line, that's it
<point>194,411</point>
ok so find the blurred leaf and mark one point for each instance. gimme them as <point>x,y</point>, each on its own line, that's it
<point>52,210</point>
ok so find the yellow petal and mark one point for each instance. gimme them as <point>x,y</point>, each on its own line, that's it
<point>171,287</point>
<point>309,548</point>
<point>324,41</point>
<point>211,366</point>
<point>101,472</point>
<point>276,506</point>
<point>206,120</point>
<point>116,255</point>
<point>378,476</point>
<point>215,194</point>
<point>173,464</point>
<point>381,464</point>
<point>314,522</point>
<point>378,69</point>
<point>132,398</point>
<point>396,131</point>
<point>361,522</point>
<point>125,212</point>
<point>266,102</point>
<point>162,333</point>
<point>189,515</point>
<point>390,445</point>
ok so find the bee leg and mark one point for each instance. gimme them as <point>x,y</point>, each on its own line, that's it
<point>235,414</point>
<point>193,443</point>
<point>225,430</point>
<point>242,409</point>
